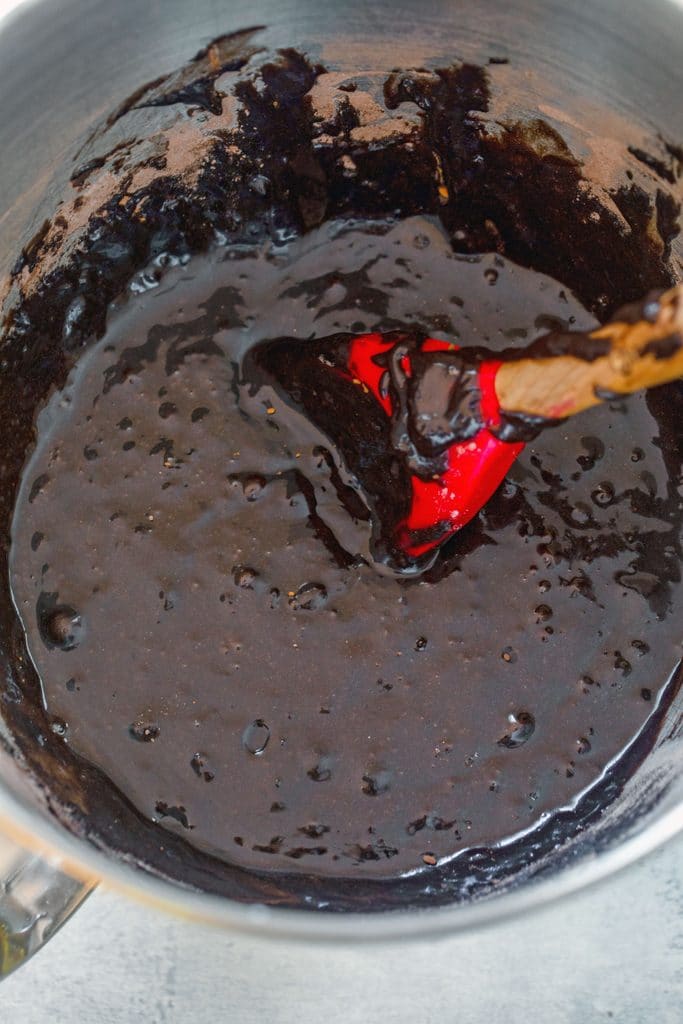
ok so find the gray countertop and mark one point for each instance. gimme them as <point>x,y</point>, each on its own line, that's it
<point>611,953</point>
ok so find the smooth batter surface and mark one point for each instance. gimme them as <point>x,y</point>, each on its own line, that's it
<point>209,630</point>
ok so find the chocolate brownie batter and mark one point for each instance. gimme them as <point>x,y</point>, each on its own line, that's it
<point>235,692</point>
<point>191,565</point>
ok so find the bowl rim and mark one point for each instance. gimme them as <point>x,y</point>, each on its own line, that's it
<point>77,857</point>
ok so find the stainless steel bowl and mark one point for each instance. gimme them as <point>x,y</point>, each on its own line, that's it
<point>63,65</point>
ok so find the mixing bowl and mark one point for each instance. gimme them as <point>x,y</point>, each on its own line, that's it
<point>605,73</point>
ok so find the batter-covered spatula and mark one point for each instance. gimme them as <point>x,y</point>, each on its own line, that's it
<point>443,424</point>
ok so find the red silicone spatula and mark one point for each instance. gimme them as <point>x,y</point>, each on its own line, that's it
<point>474,467</point>
<point>560,375</point>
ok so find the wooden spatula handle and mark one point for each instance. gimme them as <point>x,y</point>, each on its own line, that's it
<point>641,354</point>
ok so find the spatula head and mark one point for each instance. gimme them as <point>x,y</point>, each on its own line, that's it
<point>412,418</point>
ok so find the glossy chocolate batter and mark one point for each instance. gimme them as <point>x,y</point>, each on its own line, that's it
<point>231,681</point>
<point>192,569</point>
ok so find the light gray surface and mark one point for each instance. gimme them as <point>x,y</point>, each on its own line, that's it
<point>613,952</point>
